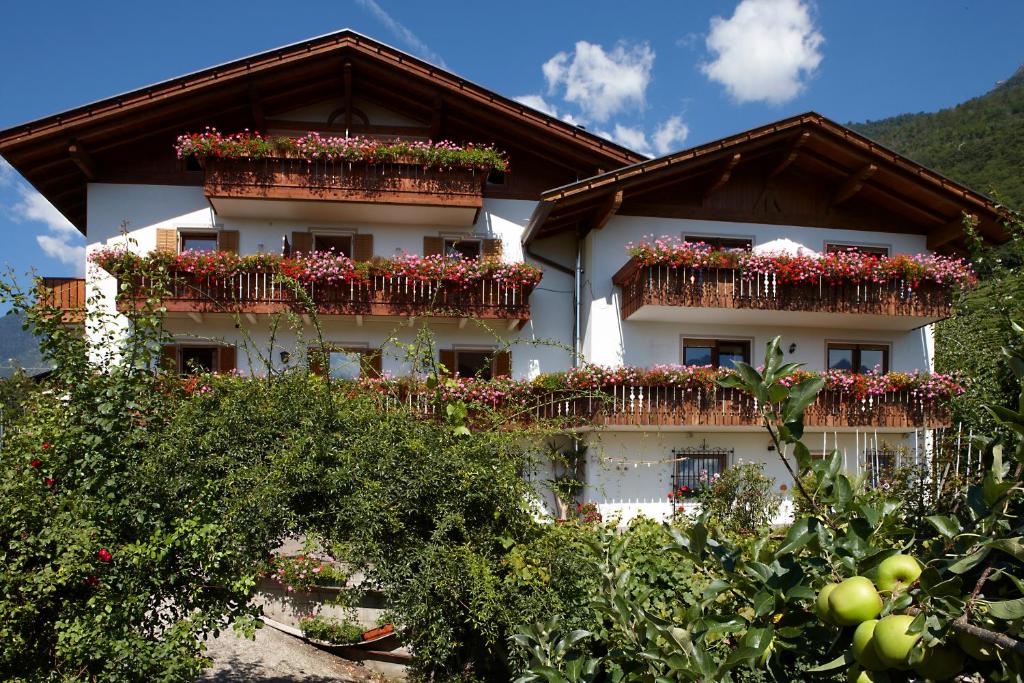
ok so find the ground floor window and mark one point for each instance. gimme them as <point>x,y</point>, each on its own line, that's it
<point>719,353</point>
<point>479,363</point>
<point>339,244</point>
<point>696,469</point>
<point>191,359</point>
<point>858,357</point>
<point>345,362</point>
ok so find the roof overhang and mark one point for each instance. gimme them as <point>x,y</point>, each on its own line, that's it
<point>58,154</point>
<point>935,204</point>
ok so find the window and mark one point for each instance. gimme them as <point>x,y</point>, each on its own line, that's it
<point>339,244</point>
<point>496,177</point>
<point>197,359</point>
<point>696,469</point>
<point>722,242</point>
<point>719,353</point>
<point>198,241</point>
<point>345,363</point>
<point>480,363</point>
<point>858,357</point>
<point>833,247</point>
<point>467,249</point>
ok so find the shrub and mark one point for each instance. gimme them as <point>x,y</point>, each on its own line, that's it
<point>331,630</point>
<point>740,499</point>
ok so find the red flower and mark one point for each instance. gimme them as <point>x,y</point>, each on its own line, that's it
<point>36,462</point>
<point>45,445</point>
<point>49,482</point>
<point>92,581</point>
<point>104,555</point>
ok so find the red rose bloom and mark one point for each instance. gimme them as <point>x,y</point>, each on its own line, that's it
<point>92,581</point>
<point>104,555</point>
<point>36,462</point>
<point>45,445</point>
<point>49,482</point>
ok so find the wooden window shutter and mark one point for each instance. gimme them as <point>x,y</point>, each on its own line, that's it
<point>433,246</point>
<point>227,240</point>
<point>362,247</point>
<point>169,357</point>
<point>302,241</point>
<point>167,240</point>
<point>502,364</point>
<point>226,359</point>
<point>491,249</point>
<point>373,364</point>
<point>447,358</point>
<point>317,361</point>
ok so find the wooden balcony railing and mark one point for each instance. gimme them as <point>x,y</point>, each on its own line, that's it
<point>352,181</point>
<point>684,286</point>
<point>673,406</point>
<point>65,293</point>
<point>380,295</point>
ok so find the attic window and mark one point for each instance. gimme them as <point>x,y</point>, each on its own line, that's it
<point>496,177</point>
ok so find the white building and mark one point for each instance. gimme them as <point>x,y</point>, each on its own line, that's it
<point>569,204</point>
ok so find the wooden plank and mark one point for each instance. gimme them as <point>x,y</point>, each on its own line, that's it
<point>943,235</point>
<point>86,164</point>
<point>791,154</point>
<point>853,184</point>
<point>720,179</point>
<point>606,210</point>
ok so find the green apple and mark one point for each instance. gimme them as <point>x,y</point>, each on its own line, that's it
<point>940,663</point>
<point>976,647</point>
<point>896,573</point>
<point>853,601</point>
<point>821,604</point>
<point>864,648</point>
<point>892,641</point>
<point>858,675</point>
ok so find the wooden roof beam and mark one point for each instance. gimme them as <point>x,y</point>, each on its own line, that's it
<point>85,162</point>
<point>259,119</point>
<point>437,118</point>
<point>791,154</point>
<point>853,184</point>
<point>722,177</point>
<point>945,234</point>
<point>606,210</point>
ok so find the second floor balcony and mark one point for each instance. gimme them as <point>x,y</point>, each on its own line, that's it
<point>833,291</point>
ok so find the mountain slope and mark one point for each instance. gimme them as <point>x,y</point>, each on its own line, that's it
<point>18,348</point>
<point>979,142</point>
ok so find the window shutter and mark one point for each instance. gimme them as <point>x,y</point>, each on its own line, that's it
<point>373,364</point>
<point>317,362</point>
<point>167,240</point>
<point>362,247</point>
<point>433,246</point>
<point>491,249</point>
<point>227,240</point>
<point>502,364</point>
<point>225,359</point>
<point>447,358</point>
<point>169,358</point>
<point>302,241</point>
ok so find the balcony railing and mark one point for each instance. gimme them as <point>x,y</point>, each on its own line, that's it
<point>65,293</point>
<point>700,407</point>
<point>380,295</point>
<point>729,288</point>
<point>297,181</point>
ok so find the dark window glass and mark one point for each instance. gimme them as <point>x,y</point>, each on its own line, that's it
<point>858,357</point>
<point>339,244</point>
<point>831,248</point>
<point>467,249</point>
<point>198,359</point>
<point>715,352</point>
<point>198,241</point>
<point>696,471</point>
<point>496,177</point>
<point>722,242</point>
<point>474,364</point>
<point>345,364</point>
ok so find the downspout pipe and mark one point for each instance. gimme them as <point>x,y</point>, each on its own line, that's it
<point>576,285</point>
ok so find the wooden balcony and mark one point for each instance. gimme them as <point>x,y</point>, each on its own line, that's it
<point>322,190</point>
<point>713,295</point>
<point>712,409</point>
<point>255,293</point>
<point>65,293</point>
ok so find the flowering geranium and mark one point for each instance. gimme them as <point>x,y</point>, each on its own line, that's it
<point>321,267</point>
<point>840,267</point>
<point>251,145</point>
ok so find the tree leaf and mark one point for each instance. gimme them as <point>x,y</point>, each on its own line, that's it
<point>1007,609</point>
<point>842,660</point>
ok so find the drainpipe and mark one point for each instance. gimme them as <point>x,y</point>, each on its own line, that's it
<point>576,284</point>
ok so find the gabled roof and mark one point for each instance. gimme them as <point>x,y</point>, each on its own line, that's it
<point>930,203</point>
<point>58,154</point>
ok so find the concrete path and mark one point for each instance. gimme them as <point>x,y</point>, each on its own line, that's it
<point>277,658</point>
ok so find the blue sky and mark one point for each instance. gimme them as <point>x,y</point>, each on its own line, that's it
<point>657,76</point>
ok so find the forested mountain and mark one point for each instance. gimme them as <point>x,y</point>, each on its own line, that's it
<point>979,142</point>
<point>18,347</point>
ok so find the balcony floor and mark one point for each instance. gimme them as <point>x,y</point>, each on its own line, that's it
<point>357,212</point>
<point>764,317</point>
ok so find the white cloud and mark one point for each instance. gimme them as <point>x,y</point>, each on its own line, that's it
<point>59,247</point>
<point>6,173</point>
<point>670,135</point>
<point>401,32</point>
<point>539,103</point>
<point>601,83</point>
<point>634,138</point>
<point>766,51</point>
<point>34,207</point>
